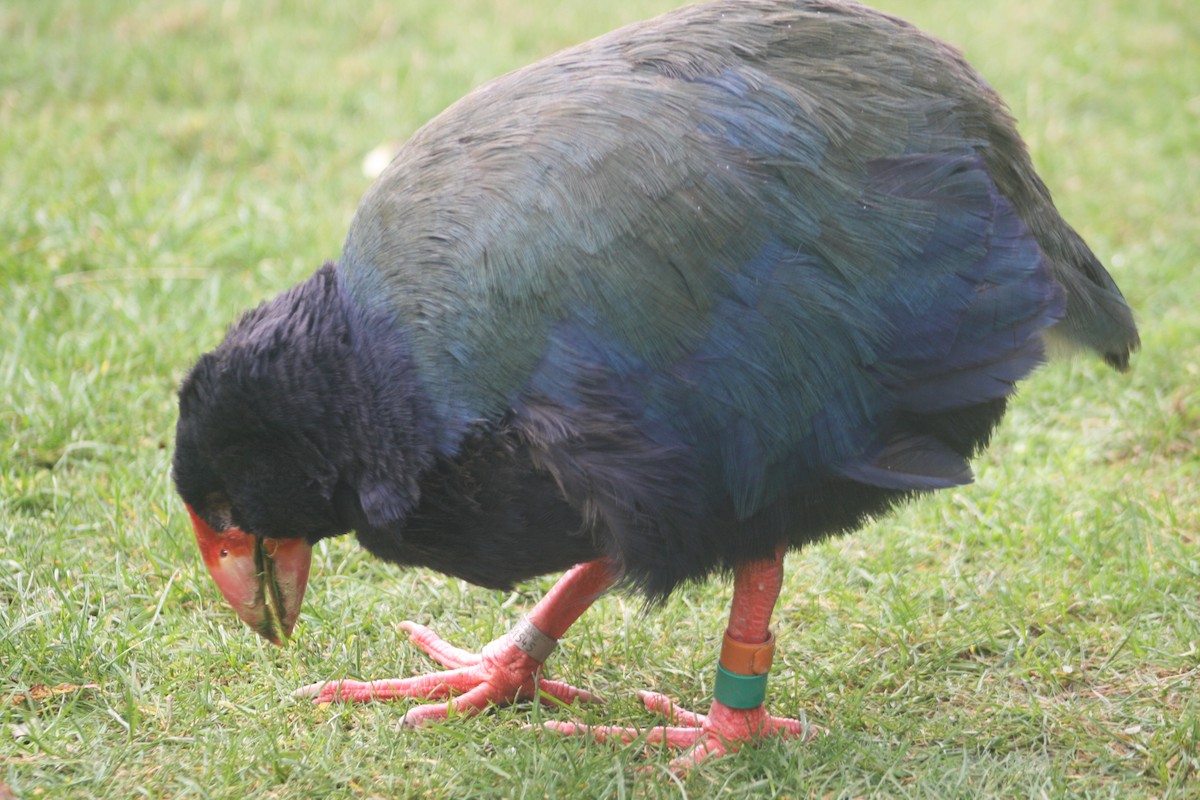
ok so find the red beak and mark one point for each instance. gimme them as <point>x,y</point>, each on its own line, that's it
<point>250,571</point>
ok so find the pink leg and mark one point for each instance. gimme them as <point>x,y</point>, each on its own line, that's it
<point>724,729</point>
<point>501,673</point>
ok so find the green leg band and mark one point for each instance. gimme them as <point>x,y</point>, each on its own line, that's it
<point>739,691</point>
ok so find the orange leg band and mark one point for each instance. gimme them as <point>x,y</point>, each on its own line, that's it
<point>742,658</point>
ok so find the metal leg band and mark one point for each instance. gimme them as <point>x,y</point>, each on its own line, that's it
<point>537,645</point>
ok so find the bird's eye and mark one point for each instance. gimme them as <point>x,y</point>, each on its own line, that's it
<point>224,553</point>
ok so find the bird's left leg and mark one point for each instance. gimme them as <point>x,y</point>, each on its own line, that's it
<point>504,671</point>
<point>738,714</point>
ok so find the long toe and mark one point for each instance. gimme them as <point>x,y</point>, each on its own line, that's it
<point>438,648</point>
<point>676,737</point>
<point>422,687</point>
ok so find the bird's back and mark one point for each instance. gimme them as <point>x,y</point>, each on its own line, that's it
<point>741,274</point>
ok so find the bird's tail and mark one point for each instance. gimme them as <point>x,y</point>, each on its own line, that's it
<point>1097,317</point>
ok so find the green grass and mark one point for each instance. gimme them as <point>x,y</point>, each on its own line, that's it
<point>161,168</point>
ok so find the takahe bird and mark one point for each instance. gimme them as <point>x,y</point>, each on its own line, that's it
<point>666,304</point>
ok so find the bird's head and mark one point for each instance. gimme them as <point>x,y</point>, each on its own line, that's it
<point>259,493</point>
<point>288,434</point>
<point>255,456</point>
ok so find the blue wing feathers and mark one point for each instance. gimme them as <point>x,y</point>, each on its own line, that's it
<point>985,333</point>
<point>797,374</point>
<point>980,338</point>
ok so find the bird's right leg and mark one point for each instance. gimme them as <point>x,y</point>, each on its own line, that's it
<point>504,671</point>
<point>738,714</point>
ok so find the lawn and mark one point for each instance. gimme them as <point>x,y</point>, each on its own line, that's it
<point>163,166</point>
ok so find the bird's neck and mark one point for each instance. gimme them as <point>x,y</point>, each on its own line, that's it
<point>389,425</point>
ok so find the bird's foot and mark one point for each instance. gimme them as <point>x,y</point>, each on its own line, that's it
<point>722,730</point>
<point>501,673</point>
